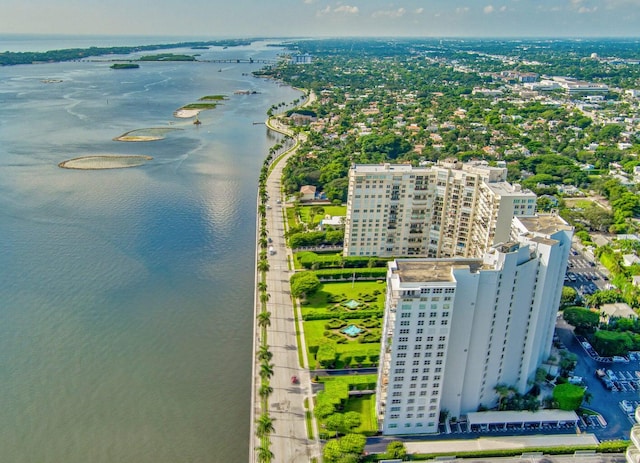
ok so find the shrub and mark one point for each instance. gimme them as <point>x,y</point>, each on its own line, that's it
<point>370,323</point>
<point>369,337</point>
<point>568,396</point>
<point>334,324</point>
<point>326,355</point>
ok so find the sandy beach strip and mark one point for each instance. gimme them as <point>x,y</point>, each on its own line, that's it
<point>139,138</point>
<point>104,162</point>
<point>186,113</point>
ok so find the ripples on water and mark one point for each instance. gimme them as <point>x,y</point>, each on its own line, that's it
<point>126,295</point>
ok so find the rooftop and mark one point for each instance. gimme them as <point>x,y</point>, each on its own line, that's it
<point>372,168</point>
<point>546,224</point>
<point>507,189</point>
<point>436,270</point>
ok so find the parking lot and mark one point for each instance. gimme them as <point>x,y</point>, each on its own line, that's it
<point>584,275</point>
<point>616,404</point>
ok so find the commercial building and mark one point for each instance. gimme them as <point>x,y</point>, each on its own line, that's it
<point>455,328</point>
<point>447,210</point>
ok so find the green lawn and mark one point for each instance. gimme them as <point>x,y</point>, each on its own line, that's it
<point>355,291</point>
<point>291,217</point>
<point>328,210</point>
<point>581,203</point>
<point>366,406</point>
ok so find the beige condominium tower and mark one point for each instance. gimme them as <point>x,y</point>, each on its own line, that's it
<point>447,210</point>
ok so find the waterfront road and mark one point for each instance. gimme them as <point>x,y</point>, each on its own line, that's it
<point>289,440</point>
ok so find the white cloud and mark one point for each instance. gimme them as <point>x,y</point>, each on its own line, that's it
<point>346,9</point>
<point>389,13</point>
<point>584,9</point>
<point>462,10</point>
<point>503,8</point>
<point>419,11</point>
<point>341,9</point>
<point>488,9</point>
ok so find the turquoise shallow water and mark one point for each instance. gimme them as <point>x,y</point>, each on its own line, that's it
<point>126,295</point>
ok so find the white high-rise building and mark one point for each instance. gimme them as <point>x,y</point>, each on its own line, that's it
<point>633,452</point>
<point>447,210</point>
<point>454,328</point>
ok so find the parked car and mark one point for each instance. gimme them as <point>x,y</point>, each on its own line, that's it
<point>294,380</point>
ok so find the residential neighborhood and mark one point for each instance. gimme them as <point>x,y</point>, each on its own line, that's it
<point>442,158</point>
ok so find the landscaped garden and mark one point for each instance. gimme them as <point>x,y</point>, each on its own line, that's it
<point>342,324</point>
<point>338,412</point>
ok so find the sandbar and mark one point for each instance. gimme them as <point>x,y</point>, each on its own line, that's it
<point>141,135</point>
<point>186,113</point>
<point>109,161</point>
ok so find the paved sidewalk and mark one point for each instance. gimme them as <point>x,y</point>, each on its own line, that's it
<point>498,442</point>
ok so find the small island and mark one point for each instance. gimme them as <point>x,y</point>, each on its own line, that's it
<point>193,109</point>
<point>124,66</point>
<point>167,57</point>
<point>147,134</point>
<point>108,161</point>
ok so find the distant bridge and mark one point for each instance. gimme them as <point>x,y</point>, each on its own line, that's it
<point>226,60</point>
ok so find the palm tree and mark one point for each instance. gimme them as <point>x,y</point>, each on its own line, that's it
<point>263,265</point>
<point>503,392</point>
<point>265,391</point>
<point>264,354</point>
<point>266,370</point>
<point>264,319</point>
<point>265,425</point>
<point>264,454</point>
<point>264,297</point>
<point>262,286</point>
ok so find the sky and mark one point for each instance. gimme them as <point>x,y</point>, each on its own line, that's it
<point>324,18</point>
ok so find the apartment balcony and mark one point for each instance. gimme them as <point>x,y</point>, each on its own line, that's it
<point>638,414</point>
<point>633,455</point>
<point>414,231</point>
<point>635,435</point>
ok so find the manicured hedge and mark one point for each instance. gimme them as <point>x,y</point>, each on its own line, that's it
<point>355,315</point>
<point>346,274</point>
<point>307,259</point>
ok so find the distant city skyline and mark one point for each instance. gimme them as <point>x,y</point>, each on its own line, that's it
<point>320,18</point>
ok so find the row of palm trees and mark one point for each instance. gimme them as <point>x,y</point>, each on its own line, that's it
<point>264,423</point>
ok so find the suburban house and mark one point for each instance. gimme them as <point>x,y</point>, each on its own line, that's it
<point>307,193</point>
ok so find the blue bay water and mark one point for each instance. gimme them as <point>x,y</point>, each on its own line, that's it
<point>126,295</point>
